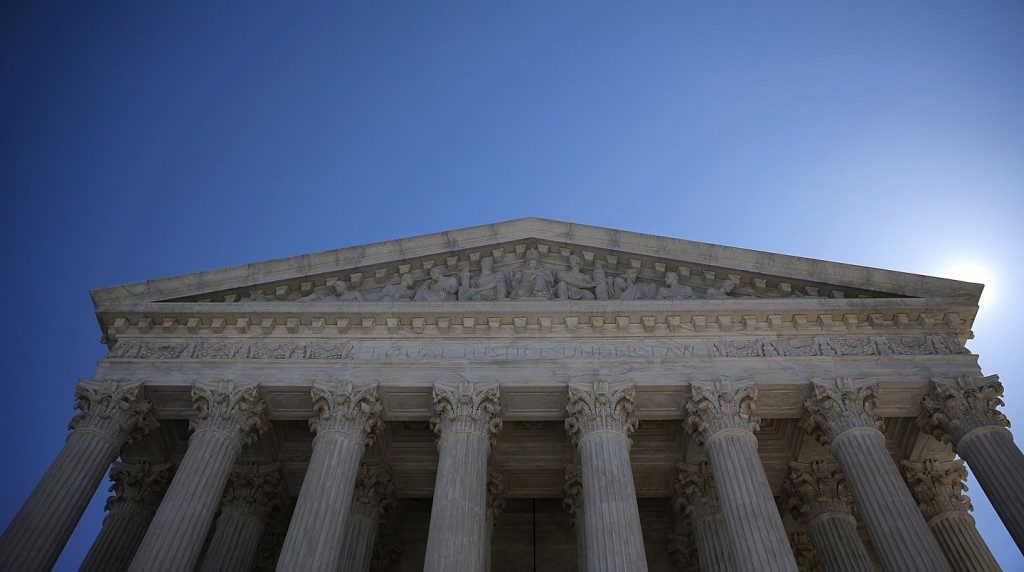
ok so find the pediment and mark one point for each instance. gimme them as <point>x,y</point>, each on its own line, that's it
<point>534,260</point>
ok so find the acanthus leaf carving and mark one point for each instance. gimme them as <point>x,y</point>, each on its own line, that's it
<point>137,487</point>
<point>345,409</point>
<point>696,494</point>
<point>815,489</point>
<point>116,410</point>
<point>958,407</point>
<point>495,494</point>
<point>374,494</point>
<point>253,488</point>
<point>599,406</point>
<point>572,486</point>
<point>837,406</point>
<point>466,408</point>
<point>938,486</point>
<point>232,409</point>
<point>721,406</point>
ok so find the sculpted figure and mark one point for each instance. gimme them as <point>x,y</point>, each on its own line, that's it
<point>532,282</point>
<point>625,286</point>
<point>490,285</point>
<point>257,296</point>
<point>339,293</point>
<point>401,291</point>
<point>673,290</point>
<point>439,288</point>
<point>574,284</point>
<point>601,289</point>
<point>722,293</point>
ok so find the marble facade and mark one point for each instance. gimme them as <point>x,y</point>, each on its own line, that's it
<point>532,394</point>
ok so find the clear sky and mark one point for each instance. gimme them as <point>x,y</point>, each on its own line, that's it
<point>142,141</point>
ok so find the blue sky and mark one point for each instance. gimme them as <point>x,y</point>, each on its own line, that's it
<point>150,140</point>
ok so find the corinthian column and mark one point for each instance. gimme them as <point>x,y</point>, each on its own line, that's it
<point>600,422</point>
<point>137,492</point>
<point>722,419</point>
<point>346,421</point>
<point>373,498</point>
<point>573,504</point>
<point>466,419</point>
<point>817,496</point>
<point>228,416</point>
<point>697,498</point>
<point>110,414</point>
<point>938,488</point>
<point>842,414</point>
<point>249,495</point>
<point>964,412</point>
<point>495,504</point>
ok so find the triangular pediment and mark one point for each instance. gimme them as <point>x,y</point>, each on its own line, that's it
<point>534,259</point>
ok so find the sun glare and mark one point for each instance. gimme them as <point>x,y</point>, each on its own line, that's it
<point>970,271</point>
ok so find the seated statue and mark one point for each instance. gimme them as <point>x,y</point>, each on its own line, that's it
<point>439,288</point>
<point>532,282</point>
<point>673,290</point>
<point>722,293</point>
<point>625,287</point>
<point>401,291</point>
<point>489,285</point>
<point>574,284</point>
<point>340,293</point>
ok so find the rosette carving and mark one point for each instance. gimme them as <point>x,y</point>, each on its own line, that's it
<point>572,485</point>
<point>814,489</point>
<point>234,409</point>
<point>720,406</point>
<point>938,486</point>
<point>466,408</point>
<point>137,488</point>
<point>600,407</point>
<point>374,494</point>
<point>957,407</point>
<point>345,409</point>
<point>836,406</point>
<point>253,488</point>
<point>696,495</point>
<point>113,409</point>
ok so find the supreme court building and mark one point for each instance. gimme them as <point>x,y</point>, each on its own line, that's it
<point>532,395</point>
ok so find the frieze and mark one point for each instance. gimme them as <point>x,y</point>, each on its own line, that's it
<point>373,350</point>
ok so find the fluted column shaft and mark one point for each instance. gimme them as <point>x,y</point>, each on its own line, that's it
<point>819,497</point>
<point>250,494</point>
<point>109,415</point>
<point>837,543</point>
<point>229,415</point>
<point>357,542</point>
<point>712,540</point>
<point>373,498</point>
<point>965,413</point>
<point>346,420</point>
<point>938,486</point>
<point>465,419</point>
<point>842,414</point>
<point>600,422</point>
<point>235,539</point>
<point>138,490</point>
<point>723,420</point>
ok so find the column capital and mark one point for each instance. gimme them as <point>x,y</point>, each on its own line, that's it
<point>719,407</point>
<point>682,550</point>
<point>695,491</point>
<point>374,494</point>
<point>836,406</point>
<point>958,407</point>
<point>466,408</point>
<point>232,409</point>
<point>495,494</point>
<point>599,406</point>
<point>253,489</point>
<point>815,489</point>
<point>938,486</point>
<point>345,409</point>
<point>115,410</point>
<point>572,486</point>
<point>385,557</point>
<point>138,488</point>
